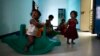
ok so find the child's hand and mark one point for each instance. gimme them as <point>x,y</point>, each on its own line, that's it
<point>43,24</point>
<point>35,23</point>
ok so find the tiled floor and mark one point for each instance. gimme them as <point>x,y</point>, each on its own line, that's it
<point>86,45</point>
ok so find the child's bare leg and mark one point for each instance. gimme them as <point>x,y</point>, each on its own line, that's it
<point>73,41</point>
<point>30,42</point>
<point>68,41</point>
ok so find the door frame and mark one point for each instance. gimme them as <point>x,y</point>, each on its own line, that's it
<point>94,16</point>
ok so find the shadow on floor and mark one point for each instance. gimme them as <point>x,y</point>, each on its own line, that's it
<point>95,46</point>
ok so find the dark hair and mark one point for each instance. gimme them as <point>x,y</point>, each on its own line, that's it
<point>37,12</point>
<point>75,13</point>
<point>63,20</point>
<point>51,16</point>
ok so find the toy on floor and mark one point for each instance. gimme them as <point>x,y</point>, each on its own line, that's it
<point>42,44</point>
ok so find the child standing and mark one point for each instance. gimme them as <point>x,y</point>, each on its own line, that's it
<point>32,29</point>
<point>71,32</point>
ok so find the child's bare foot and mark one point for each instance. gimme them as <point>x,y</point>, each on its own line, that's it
<point>68,43</point>
<point>73,42</point>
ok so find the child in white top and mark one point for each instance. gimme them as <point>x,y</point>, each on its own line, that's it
<point>33,28</point>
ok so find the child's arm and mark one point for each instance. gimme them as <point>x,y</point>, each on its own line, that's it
<point>76,21</point>
<point>33,21</point>
<point>37,24</point>
<point>67,23</point>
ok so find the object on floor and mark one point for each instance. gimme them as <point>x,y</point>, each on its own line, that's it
<point>42,44</point>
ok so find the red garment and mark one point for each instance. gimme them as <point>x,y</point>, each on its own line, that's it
<point>71,32</point>
<point>63,29</point>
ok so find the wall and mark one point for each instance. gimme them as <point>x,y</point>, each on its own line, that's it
<point>48,7</point>
<point>14,13</point>
<point>0,9</point>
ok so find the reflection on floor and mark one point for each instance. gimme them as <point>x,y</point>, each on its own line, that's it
<point>86,45</point>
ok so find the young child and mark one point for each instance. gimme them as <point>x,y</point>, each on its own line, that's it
<point>62,27</point>
<point>49,26</point>
<point>71,32</point>
<point>33,28</point>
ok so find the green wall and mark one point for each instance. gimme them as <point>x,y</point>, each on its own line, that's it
<point>13,13</point>
<point>0,9</point>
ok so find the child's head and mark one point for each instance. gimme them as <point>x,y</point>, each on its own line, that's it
<point>73,14</point>
<point>51,17</point>
<point>36,14</point>
<point>63,20</point>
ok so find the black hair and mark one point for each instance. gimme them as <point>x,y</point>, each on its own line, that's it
<point>51,16</point>
<point>75,13</point>
<point>37,12</point>
<point>63,20</point>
